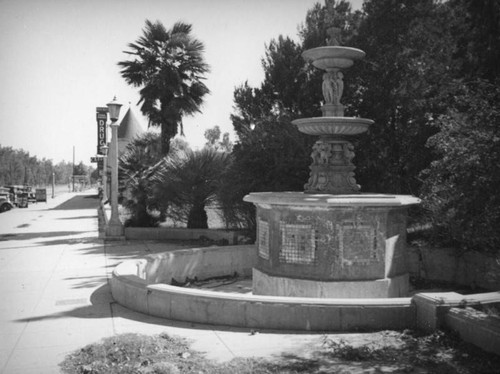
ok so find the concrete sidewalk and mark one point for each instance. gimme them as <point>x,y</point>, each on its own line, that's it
<point>55,295</point>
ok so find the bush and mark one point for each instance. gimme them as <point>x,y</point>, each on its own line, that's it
<point>461,188</point>
<point>189,182</point>
<point>273,156</point>
<point>138,167</point>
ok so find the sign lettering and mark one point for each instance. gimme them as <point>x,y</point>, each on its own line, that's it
<point>102,117</point>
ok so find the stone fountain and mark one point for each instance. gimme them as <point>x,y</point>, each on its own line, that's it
<point>331,241</point>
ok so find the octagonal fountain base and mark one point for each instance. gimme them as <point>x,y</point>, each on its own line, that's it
<point>331,246</point>
<point>264,284</point>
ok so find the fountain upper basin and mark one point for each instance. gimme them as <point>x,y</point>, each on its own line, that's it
<point>332,125</point>
<point>333,57</point>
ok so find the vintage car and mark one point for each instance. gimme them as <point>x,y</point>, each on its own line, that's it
<point>19,195</point>
<point>5,203</point>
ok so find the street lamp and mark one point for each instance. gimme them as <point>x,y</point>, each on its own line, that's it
<point>104,150</point>
<point>115,227</point>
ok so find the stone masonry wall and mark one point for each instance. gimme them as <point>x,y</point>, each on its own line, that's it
<point>472,269</point>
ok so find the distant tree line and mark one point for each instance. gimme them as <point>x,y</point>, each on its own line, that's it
<point>18,167</point>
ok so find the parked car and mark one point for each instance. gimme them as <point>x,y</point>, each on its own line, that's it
<point>31,194</point>
<point>5,203</point>
<point>19,195</point>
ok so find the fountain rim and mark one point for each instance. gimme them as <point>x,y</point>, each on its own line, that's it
<point>332,126</point>
<point>293,198</point>
<point>341,52</point>
<point>333,120</point>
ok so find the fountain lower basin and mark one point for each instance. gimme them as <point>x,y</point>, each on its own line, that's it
<point>144,286</point>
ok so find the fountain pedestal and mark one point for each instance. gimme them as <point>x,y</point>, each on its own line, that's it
<point>342,246</point>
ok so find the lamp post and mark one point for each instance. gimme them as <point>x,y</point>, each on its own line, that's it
<point>104,150</point>
<point>115,227</point>
<point>53,184</point>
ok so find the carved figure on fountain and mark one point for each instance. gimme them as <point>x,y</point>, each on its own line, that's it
<point>333,87</point>
<point>329,88</point>
<point>333,38</point>
<point>332,169</point>
<point>339,83</point>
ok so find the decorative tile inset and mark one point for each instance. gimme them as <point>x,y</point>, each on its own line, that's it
<point>298,244</point>
<point>358,243</point>
<point>263,239</point>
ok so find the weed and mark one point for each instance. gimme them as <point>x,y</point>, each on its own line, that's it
<point>439,352</point>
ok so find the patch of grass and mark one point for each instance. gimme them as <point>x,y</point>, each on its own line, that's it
<point>162,354</point>
<point>129,353</point>
<point>439,352</point>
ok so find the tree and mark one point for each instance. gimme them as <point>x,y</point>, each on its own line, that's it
<point>214,141</point>
<point>80,169</point>
<point>63,172</point>
<point>272,156</point>
<point>191,181</point>
<point>461,186</point>
<point>138,168</point>
<point>141,167</point>
<point>212,136</point>
<point>18,167</point>
<point>478,37</point>
<point>402,84</point>
<point>169,68</point>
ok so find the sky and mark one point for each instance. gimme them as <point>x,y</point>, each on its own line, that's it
<point>58,62</point>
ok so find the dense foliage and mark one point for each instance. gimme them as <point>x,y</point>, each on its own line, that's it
<point>189,183</point>
<point>18,167</point>
<point>169,68</point>
<point>461,185</point>
<point>179,186</point>
<point>139,166</point>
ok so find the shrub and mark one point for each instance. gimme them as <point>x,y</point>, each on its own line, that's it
<point>189,182</point>
<point>461,187</point>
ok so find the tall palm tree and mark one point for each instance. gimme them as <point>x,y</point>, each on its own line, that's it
<point>169,68</point>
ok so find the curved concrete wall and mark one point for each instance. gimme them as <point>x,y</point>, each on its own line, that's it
<point>135,284</point>
<point>200,262</point>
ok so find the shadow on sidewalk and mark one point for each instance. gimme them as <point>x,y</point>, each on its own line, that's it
<point>102,305</point>
<point>36,235</point>
<point>79,202</point>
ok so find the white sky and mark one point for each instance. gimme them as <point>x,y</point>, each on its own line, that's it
<point>58,61</point>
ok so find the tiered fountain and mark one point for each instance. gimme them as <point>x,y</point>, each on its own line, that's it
<point>331,241</point>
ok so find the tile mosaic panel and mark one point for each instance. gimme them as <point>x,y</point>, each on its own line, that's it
<point>263,228</point>
<point>298,244</point>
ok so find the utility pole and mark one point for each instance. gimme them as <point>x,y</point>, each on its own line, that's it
<point>73,171</point>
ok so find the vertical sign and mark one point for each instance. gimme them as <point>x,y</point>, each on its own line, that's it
<point>102,117</point>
